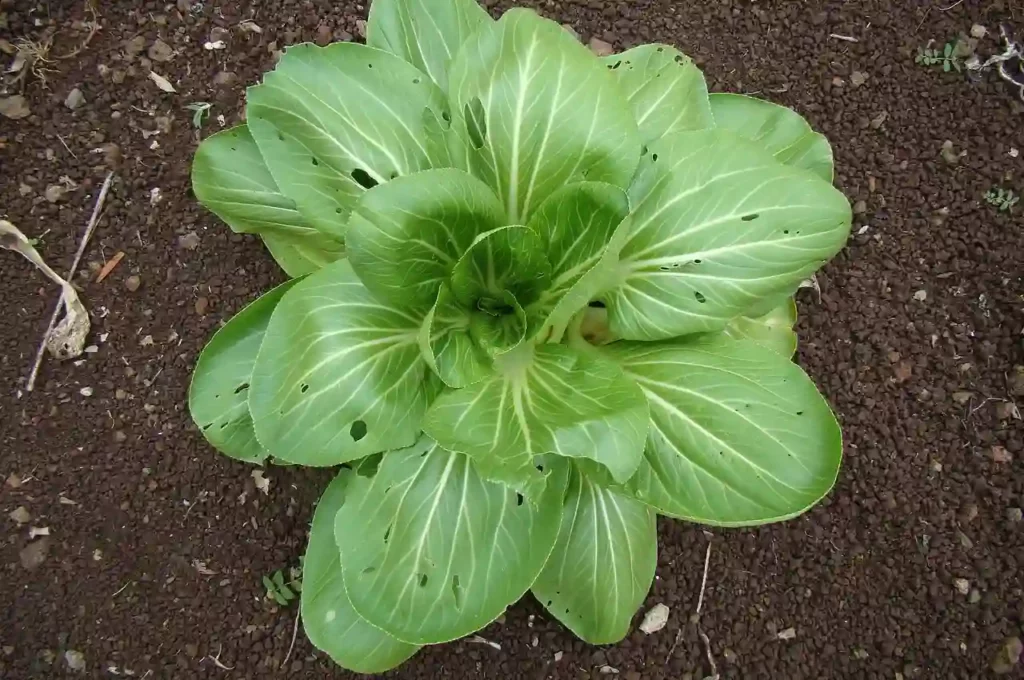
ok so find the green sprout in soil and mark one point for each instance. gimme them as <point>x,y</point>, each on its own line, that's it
<point>1003,199</point>
<point>39,242</point>
<point>537,298</point>
<point>947,57</point>
<point>281,590</point>
<point>200,110</point>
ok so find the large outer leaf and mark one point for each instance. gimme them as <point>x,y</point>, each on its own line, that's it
<point>405,236</point>
<point>426,33</point>
<point>555,401</point>
<point>218,395</point>
<point>665,88</point>
<point>339,375</point>
<point>780,130</point>
<point>717,224</point>
<point>328,618</point>
<point>432,551</point>
<point>603,563</point>
<point>230,178</point>
<point>337,120</point>
<point>301,256</point>
<point>739,434</point>
<point>773,330</point>
<point>536,110</point>
<point>583,227</point>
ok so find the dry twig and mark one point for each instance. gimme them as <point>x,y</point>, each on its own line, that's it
<point>89,229</point>
<point>696,616</point>
<point>295,630</point>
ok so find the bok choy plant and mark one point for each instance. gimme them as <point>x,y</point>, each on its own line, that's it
<point>537,298</point>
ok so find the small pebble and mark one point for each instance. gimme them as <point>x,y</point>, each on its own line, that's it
<point>202,306</point>
<point>74,99</point>
<point>132,283</point>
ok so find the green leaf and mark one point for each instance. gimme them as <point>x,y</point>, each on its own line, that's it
<point>448,345</point>
<point>717,224</point>
<point>603,563</point>
<point>218,395</point>
<point>338,120</point>
<point>426,33</point>
<point>947,50</point>
<point>230,178</point>
<point>546,399</point>
<point>509,259</point>
<point>432,551</point>
<point>665,88</point>
<point>778,129</point>
<point>330,622</point>
<point>300,256</point>
<point>739,434</point>
<point>498,332</point>
<point>584,229</point>
<point>536,110</point>
<point>773,330</point>
<point>339,375</point>
<point>405,236</point>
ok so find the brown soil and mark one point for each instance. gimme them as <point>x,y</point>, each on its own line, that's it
<point>868,580</point>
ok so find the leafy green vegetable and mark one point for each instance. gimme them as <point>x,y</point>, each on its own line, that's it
<point>538,298</point>
<point>327,614</point>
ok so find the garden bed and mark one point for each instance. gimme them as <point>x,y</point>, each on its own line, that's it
<point>157,545</point>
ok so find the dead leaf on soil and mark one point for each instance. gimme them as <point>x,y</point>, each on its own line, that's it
<point>67,339</point>
<point>160,51</point>
<point>262,483</point>
<point>14,107</point>
<point>655,619</point>
<point>249,26</point>
<point>858,78</point>
<point>162,82</point>
<point>201,567</point>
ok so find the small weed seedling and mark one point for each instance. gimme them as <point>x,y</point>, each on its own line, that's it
<point>39,241</point>
<point>200,110</point>
<point>946,57</point>
<point>281,591</point>
<point>1003,199</point>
